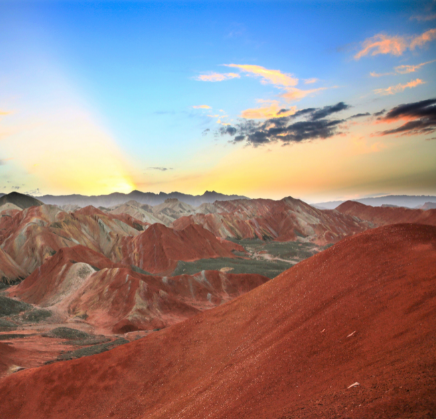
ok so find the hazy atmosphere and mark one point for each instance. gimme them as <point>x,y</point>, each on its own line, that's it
<point>317,100</point>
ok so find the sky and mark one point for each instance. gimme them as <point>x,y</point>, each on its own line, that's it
<point>319,100</point>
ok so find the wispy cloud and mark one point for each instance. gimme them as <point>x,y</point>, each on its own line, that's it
<point>273,110</point>
<point>402,69</point>
<point>359,115</point>
<point>162,169</point>
<point>374,74</point>
<point>202,107</point>
<point>214,77</point>
<point>405,69</point>
<point>394,45</point>
<point>295,93</point>
<point>267,76</point>
<point>419,41</point>
<point>423,18</point>
<point>310,81</point>
<point>392,90</point>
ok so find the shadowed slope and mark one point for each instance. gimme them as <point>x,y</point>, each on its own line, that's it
<point>362,311</point>
<point>20,200</point>
<point>380,216</point>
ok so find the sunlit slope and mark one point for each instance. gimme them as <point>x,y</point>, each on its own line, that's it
<point>361,311</point>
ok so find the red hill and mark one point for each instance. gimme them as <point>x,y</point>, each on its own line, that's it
<point>158,249</point>
<point>381,216</point>
<point>361,312</point>
<point>283,220</point>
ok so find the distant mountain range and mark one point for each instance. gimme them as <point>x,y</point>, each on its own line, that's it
<point>408,201</point>
<point>149,198</point>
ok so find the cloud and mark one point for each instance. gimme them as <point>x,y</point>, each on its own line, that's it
<point>423,18</point>
<point>4,113</point>
<point>310,81</point>
<point>394,45</point>
<point>419,41</point>
<point>205,132</point>
<point>294,93</point>
<point>392,90</point>
<point>271,111</point>
<point>267,76</point>
<point>420,117</point>
<point>359,115</point>
<point>202,107</point>
<point>33,192</point>
<point>15,188</point>
<point>379,113</point>
<point>329,110</point>
<point>431,139</point>
<point>374,74</point>
<point>286,129</point>
<point>405,69</point>
<point>213,77</point>
<point>382,44</point>
<point>162,169</point>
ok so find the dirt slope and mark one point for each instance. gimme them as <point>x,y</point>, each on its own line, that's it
<point>362,311</point>
<point>380,216</point>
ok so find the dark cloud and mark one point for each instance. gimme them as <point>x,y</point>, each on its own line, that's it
<point>205,131</point>
<point>162,169</point>
<point>430,139</point>
<point>421,115</point>
<point>328,110</point>
<point>379,113</point>
<point>315,125</point>
<point>15,188</point>
<point>229,130</point>
<point>359,115</point>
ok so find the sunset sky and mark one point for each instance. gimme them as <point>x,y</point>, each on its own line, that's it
<point>313,99</point>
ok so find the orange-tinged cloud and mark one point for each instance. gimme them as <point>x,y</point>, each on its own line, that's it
<point>310,81</point>
<point>267,76</point>
<point>374,74</point>
<point>419,41</point>
<point>214,77</point>
<point>382,44</point>
<point>202,107</point>
<point>405,69</point>
<point>294,93</point>
<point>267,112</point>
<point>392,90</point>
<point>395,45</point>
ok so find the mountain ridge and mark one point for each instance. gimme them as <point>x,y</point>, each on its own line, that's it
<point>150,198</point>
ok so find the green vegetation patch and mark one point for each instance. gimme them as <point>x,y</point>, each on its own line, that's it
<point>15,336</point>
<point>35,316</point>
<point>9,307</point>
<point>267,268</point>
<point>91,350</point>
<point>6,325</point>
<point>67,333</point>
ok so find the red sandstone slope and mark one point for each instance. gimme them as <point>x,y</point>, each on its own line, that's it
<point>115,299</point>
<point>282,220</point>
<point>362,311</point>
<point>34,234</point>
<point>9,270</point>
<point>380,216</point>
<point>47,283</point>
<point>158,249</point>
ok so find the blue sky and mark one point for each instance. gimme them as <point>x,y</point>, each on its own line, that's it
<point>127,76</point>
